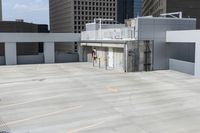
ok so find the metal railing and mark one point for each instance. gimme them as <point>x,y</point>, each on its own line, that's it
<point>100,62</point>
<point>110,34</point>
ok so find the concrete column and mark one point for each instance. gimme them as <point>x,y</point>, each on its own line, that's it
<point>10,53</point>
<point>49,52</point>
<point>197,59</point>
<point>80,52</point>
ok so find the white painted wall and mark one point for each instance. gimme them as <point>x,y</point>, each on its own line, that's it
<point>116,62</point>
<point>119,58</point>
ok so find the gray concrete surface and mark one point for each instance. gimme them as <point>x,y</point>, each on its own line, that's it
<point>76,98</point>
<point>10,53</point>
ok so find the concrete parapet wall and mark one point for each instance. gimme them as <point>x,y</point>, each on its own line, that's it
<point>182,66</point>
<point>66,57</point>
<point>2,60</point>
<point>30,59</point>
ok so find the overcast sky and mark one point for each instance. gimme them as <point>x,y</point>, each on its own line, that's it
<point>36,11</point>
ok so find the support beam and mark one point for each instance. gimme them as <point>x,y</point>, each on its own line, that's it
<point>80,52</point>
<point>49,52</point>
<point>10,53</point>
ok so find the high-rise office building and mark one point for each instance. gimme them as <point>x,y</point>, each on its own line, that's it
<point>125,10</point>
<point>0,10</point>
<point>128,9</point>
<point>72,15</point>
<point>137,8</point>
<point>190,8</point>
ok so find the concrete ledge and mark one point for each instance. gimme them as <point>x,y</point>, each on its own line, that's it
<point>182,66</point>
<point>104,45</point>
<point>65,57</point>
<point>30,59</point>
<point>40,37</point>
<point>190,36</point>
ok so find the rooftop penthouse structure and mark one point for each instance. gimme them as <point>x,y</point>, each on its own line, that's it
<point>140,45</point>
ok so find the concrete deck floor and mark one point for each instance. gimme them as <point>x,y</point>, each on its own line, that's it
<point>76,98</point>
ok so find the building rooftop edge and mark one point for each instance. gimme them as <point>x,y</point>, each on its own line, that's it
<point>147,17</point>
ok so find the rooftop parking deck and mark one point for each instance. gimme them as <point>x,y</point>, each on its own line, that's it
<point>77,98</point>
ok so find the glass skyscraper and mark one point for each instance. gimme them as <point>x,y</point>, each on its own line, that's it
<point>128,9</point>
<point>0,10</point>
<point>137,8</point>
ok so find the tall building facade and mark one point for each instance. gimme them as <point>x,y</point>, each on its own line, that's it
<point>0,10</point>
<point>190,8</point>
<point>72,15</point>
<point>153,7</point>
<point>137,8</point>
<point>128,9</point>
<point>125,10</point>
